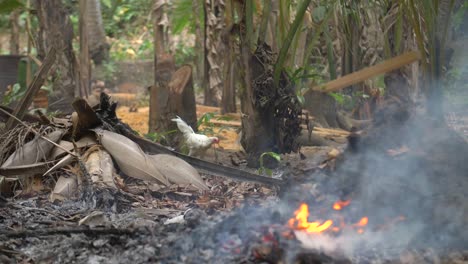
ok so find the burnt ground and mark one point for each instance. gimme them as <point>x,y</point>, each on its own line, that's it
<point>223,226</point>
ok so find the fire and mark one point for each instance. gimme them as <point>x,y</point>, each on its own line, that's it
<point>300,221</point>
<point>341,204</point>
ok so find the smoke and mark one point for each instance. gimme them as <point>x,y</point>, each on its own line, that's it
<point>423,179</point>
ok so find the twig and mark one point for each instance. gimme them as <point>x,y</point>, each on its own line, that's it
<point>63,218</point>
<point>39,134</point>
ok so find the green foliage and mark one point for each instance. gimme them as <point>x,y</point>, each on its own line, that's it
<point>459,15</point>
<point>17,92</point>
<point>205,119</point>
<point>262,169</point>
<point>293,30</point>
<point>7,6</point>
<point>299,77</point>
<point>160,137</point>
<point>124,49</point>
<point>14,94</point>
<point>126,17</point>
<point>206,127</point>
<point>339,98</point>
<point>182,16</point>
<point>319,13</point>
<point>184,54</point>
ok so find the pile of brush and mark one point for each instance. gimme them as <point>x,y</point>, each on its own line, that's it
<point>84,152</point>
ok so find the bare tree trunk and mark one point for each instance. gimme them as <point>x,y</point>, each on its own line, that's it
<point>164,66</point>
<point>85,66</point>
<point>55,29</point>
<point>98,47</point>
<point>14,37</point>
<point>230,62</point>
<point>214,20</point>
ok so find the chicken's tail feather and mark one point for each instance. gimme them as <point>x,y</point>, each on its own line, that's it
<point>183,127</point>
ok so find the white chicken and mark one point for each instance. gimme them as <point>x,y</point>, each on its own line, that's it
<point>198,144</point>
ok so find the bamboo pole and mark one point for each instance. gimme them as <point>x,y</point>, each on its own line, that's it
<point>367,73</point>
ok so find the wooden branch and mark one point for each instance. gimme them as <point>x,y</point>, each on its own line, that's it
<point>367,73</point>
<point>67,231</point>
<point>35,85</point>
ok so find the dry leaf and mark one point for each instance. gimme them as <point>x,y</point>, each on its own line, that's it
<point>62,163</point>
<point>178,171</point>
<point>130,158</point>
<point>64,188</point>
<point>85,141</point>
<point>33,151</point>
<point>96,218</point>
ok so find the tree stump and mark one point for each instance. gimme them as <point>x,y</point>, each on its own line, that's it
<point>175,97</point>
<point>182,96</point>
<point>159,114</point>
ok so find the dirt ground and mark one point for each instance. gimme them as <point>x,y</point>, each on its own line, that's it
<point>139,121</point>
<point>215,226</point>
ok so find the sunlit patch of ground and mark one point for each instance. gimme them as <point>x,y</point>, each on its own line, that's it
<point>139,122</point>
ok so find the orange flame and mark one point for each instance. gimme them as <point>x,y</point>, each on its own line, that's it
<point>362,222</point>
<point>300,221</point>
<point>340,204</point>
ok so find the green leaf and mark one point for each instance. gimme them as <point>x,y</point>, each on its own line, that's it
<point>7,6</point>
<point>339,98</point>
<point>225,118</point>
<point>205,119</point>
<point>182,16</point>
<point>318,13</point>
<point>301,99</point>
<point>268,172</point>
<point>274,155</point>
<point>107,3</point>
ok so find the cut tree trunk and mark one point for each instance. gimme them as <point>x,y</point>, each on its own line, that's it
<point>55,29</point>
<point>160,112</point>
<point>182,96</point>
<point>98,47</point>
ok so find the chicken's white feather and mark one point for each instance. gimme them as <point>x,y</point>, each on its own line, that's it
<point>198,144</point>
<point>183,127</point>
